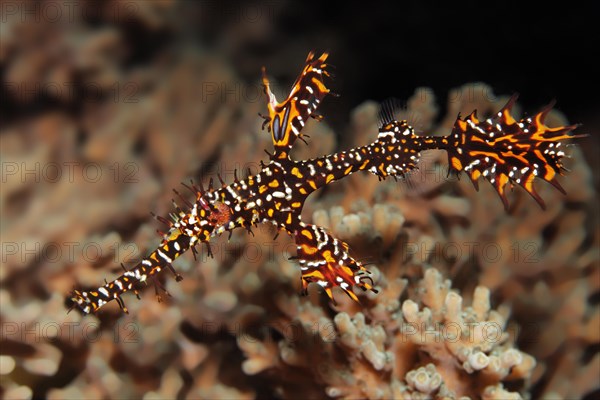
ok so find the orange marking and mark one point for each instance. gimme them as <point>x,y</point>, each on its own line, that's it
<point>488,154</point>
<point>274,183</point>
<point>538,121</point>
<point>528,185</point>
<point>327,256</point>
<point>539,154</point>
<point>502,181</point>
<point>329,293</point>
<point>307,233</point>
<point>312,184</point>
<point>329,178</point>
<point>320,87</point>
<point>351,293</point>
<point>550,173</point>
<point>347,270</point>
<point>508,118</point>
<point>308,249</point>
<point>314,273</point>
<point>457,164</point>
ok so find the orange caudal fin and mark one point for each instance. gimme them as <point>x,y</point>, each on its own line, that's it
<point>506,151</point>
<point>286,119</point>
<point>325,260</point>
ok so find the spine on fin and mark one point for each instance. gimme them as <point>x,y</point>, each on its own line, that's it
<point>506,151</point>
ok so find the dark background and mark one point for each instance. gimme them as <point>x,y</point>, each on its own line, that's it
<point>384,49</point>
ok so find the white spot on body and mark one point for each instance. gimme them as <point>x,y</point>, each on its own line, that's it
<point>164,256</point>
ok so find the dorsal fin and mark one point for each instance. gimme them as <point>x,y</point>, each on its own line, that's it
<point>388,110</point>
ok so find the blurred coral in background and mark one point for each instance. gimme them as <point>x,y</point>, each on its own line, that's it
<point>107,106</point>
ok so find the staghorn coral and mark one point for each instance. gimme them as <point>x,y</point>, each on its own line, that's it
<point>235,327</point>
<point>380,359</point>
<point>357,353</point>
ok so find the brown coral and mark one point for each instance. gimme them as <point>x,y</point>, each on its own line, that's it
<point>452,266</point>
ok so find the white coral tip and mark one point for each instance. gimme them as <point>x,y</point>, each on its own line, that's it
<point>410,309</point>
<point>511,357</point>
<point>479,360</point>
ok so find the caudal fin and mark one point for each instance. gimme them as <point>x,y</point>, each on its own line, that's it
<point>506,151</point>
